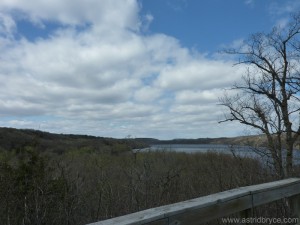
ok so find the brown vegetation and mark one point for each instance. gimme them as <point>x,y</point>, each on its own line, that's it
<point>81,184</point>
<point>79,187</point>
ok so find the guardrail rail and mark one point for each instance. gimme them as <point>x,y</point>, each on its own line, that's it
<point>200,210</point>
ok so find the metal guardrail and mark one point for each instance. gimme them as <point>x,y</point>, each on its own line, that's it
<point>204,209</point>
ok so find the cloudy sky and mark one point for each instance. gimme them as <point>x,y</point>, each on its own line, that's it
<point>146,68</point>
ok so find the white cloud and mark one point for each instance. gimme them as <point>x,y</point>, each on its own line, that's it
<point>200,74</point>
<point>114,13</point>
<point>282,23</point>
<point>7,24</point>
<point>281,11</point>
<point>284,7</point>
<point>249,2</point>
<point>147,94</point>
<point>198,97</point>
<point>146,21</point>
<point>177,5</point>
<point>107,79</point>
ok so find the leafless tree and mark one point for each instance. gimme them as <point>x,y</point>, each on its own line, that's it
<point>268,97</point>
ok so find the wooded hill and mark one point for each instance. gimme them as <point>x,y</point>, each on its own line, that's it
<point>15,139</point>
<point>11,138</point>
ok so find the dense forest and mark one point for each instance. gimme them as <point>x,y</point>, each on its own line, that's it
<point>73,180</point>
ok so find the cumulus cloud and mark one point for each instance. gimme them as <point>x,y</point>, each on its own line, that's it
<point>195,96</point>
<point>198,74</point>
<point>146,21</point>
<point>115,13</point>
<point>7,25</point>
<point>107,79</point>
<point>147,94</point>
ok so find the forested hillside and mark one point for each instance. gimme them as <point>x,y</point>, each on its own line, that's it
<point>74,180</point>
<point>16,139</point>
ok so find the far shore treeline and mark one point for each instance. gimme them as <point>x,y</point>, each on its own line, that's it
<point>11,138</point>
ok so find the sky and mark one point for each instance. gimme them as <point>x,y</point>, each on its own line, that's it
<point>119,68</point>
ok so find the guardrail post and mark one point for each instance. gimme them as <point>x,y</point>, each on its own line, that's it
<point>296,207</point>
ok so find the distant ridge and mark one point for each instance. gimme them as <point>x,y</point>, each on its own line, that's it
<point>13,139</point>
<point>240,140</point>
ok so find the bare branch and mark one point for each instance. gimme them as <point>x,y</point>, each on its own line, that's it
<point>270,92</point>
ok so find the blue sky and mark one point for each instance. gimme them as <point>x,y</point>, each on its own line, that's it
<point>206,25</point>
<point>146,68</point>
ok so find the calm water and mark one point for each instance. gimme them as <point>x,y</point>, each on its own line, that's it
<point>243,151</point>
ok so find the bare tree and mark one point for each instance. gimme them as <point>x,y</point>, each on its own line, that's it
<point>268,97</point>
